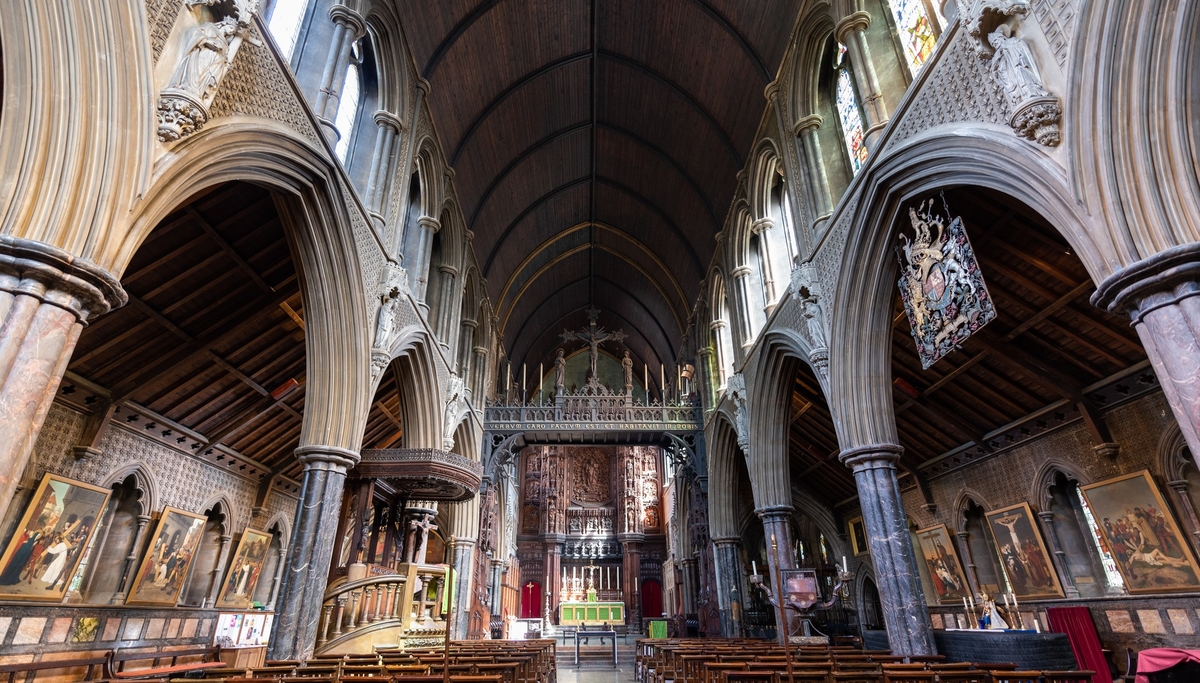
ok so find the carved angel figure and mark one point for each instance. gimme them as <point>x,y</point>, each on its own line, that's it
<point>627,367</point>
<point>560,371</point>
<point>1014,67</point>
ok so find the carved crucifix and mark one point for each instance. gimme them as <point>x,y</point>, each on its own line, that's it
<point>593,336</point>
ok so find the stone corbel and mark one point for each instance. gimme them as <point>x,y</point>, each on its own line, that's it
<point>208,46</point>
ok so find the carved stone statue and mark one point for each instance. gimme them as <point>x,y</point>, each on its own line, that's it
<point>454,406</point>
<point>807,292</point>
<point>1034,113</point>
<point>560,371</point>
<point>736,387</point>
<point>593,336</point>
<point>206,54</point>
<point>627,368</point>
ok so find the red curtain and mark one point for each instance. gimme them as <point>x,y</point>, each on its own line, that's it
<point>651,600</point>
<point>1077,623</point>
<point>531,600</point>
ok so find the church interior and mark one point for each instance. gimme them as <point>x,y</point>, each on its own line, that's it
<point>846,341</point>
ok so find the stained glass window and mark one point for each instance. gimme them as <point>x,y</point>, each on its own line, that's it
<point>347,110</point>
<point>284,25</point>
<point>916,31</point>
<point>1106,559</point>
<point>851,119</point>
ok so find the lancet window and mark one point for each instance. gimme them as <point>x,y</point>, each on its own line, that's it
<point>849,112</point>
<point>347,111</point>
<point>284,24</point>
<point>917,28</point>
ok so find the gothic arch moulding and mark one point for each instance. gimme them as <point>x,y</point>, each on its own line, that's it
<point>1169,455</point>
<point>1040,491</point>
<point>860,355</point>
<point>147,486</point>
<point>962,500</point>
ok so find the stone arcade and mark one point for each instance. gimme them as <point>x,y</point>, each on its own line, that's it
<point>328,325</point>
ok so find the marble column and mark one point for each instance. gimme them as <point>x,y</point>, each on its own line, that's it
<point>554,546</point>
<point>466,341</point>
<point>428,226</point>
<point>807,129</point>
<point>47,296</point>
<point>964,547</point>
<point>446,307</point>
<point>905,615</point>
<point>1060,556</point>
<point>730,588</point>
<point>1159,294</point>
<point>852,32</point>
<point>479,391</point>
<point>631,575</point>
<point>214,583</point>
<point>118,598</point>
<point>387,143</point>
<point>741,284</point>
<point>313,535</point>
<point>348,27</point>
<point>275,580</point>
<point>495,595</point>
<point>1189,511</point>
<point>688,570</point>
<point>464,558</point>
<point>777,531</point>
<point>761,227</point>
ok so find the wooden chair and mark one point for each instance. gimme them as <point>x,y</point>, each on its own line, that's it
<point>712,670</point>
<point>1016,676</point>
<point>751,677</point>
<point>891,676</point>
<point>803,676</point>
<point>864,676</point>
<point>964,677</point>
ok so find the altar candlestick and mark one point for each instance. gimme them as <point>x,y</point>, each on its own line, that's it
<point>754,567</point>
<point>678,379</point>
<point>845,567</point>
<point>662,382</point>
<point>646,380</point>
<point>522,382</point>
<point>1014,599</point>
<point>541,379</point>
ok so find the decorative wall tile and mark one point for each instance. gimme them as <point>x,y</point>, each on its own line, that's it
<point>1151,621</point>
<point>132,630</point>
<point>5,622</point>
<point>173,628</point>
<point>189,627</point>
<point>1180,621</point>
<point>1119,621</point>
<point>111,628</point>
<point>29,631</point>
<point>154,628</point>
<point>59,630</point>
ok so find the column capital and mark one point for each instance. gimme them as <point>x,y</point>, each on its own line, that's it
<point>811,122</point>
<point>1163,279</point>
<point>56,277</point>
<point>962,534</point>
<point>481,350</point>
<point>423,86</point>
<point>721,541</point>
<point>1179,485</point>
<point>327,458</point>
<point>1046,515</point>
<point>762,224</point>
<point>631,537</point>
<point>386,119</point>
<point>717,324</point>
<point>343,15</point>
<point>447,269</point>
<point>771,92</point>
<point>429,223</point>
<point>740,272</point>
<point>774,513</point>
<point>467,322</point>
<point>859,21</point>
<point>872,457</point>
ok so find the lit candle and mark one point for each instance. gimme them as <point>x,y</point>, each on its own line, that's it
<point>972,599</point>
<point>522,380</point>
<point>845,566</point>
<point>754,566</point>
<point>662,381</point>
<point>678,378</point>
<point>541,379</point>
<point>1014,600</point>
<point>965,604</point>
<point>1036,626</point>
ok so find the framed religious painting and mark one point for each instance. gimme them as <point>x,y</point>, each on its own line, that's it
<point>245,570</point>
<point>160,577</point>
<point>50,539</point>
<point>1150,552</point>
<point>858,536</point>
<point>1023,553</point>
<point>945,571</point>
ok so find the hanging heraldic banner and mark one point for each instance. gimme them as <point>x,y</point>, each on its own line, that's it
<point>943,290</point>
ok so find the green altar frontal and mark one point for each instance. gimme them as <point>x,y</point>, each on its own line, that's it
<point>591,613</point>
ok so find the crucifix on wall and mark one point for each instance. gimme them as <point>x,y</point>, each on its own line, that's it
<point>593,336</point>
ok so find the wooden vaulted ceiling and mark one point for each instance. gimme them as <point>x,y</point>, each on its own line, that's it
<point>596,145</point>
<point>1049,359</point>
<point>209,354</point>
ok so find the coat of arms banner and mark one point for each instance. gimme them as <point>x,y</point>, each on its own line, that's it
<point>943,290</point>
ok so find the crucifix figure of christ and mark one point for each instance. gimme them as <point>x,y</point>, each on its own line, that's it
<point>418,534</point>
<point>593,336</point>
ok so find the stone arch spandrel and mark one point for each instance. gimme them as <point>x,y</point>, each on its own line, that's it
<point>313,210</point>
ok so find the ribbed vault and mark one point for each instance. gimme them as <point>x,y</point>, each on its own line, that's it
<point>596,145</point>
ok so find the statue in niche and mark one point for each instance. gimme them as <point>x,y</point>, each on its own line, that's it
<point>627,369</point>
<point>206,58</point>
<point>652,517</point>
<point>560,372</point>
<point>454,406</point>
<point>575,527</point>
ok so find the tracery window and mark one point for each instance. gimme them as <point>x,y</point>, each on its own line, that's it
<point>347,110</point>
<point>849,113</point>
<point>286,17</point>
<point>916,27</point>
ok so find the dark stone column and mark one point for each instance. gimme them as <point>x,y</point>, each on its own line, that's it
<point>1189,512</point>
<point>553,592</point>
<point>632,576</point>
<point>464,560</point>
<point>730,587</point>
<point>303,590</point>
<point>964,547</point>
<point>1060,556</point>
<point>777,529</point>
<point>1160,295</point>
<point>688,570</point>
<point>904,612</point>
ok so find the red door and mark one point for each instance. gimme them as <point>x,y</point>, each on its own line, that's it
<point>651,600</point>
<point>531,600</point>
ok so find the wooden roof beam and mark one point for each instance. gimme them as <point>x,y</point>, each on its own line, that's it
<point>228,250</point>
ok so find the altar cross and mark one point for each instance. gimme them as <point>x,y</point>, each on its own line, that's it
<point>593,336</point>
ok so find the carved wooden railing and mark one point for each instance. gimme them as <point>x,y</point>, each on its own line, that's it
<point>406,599</point>
<point>593,412</point>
